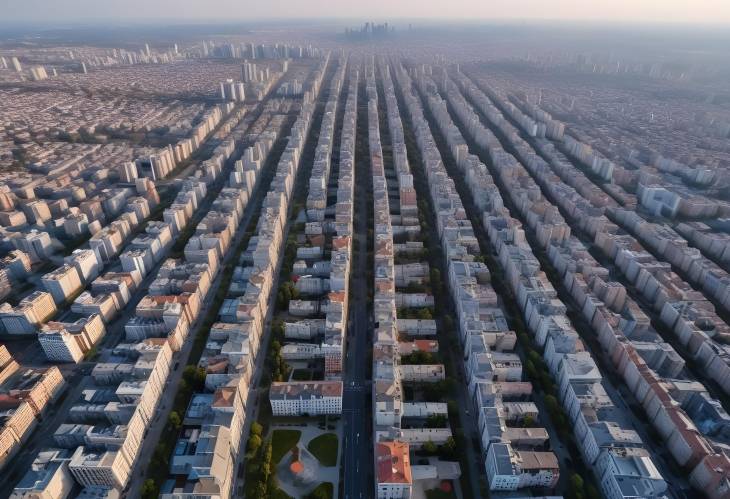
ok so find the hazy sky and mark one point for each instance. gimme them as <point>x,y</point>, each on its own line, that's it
<point>682,11</point>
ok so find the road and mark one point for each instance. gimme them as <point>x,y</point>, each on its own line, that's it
<point>357,445</point>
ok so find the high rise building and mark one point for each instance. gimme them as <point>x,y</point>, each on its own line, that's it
<point>38,73</point>
<point>232,91</point>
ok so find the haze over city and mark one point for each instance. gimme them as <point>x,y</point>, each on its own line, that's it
<point>673,11</point>
<point>353,250</point>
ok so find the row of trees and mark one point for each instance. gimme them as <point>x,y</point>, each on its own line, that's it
<point>446,451</point>
<point>419,357</point>
<point>423,313</point>
<point>287,292</point>
<point>280,369</point>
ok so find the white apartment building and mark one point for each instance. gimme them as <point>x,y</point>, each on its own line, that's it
<point>104,469</point>
<point>32,311</point>
<point>86,262</point>
<point>47,478</point>
<point>62,283</point>
<point>60,346</point>
<point>394,479</point>
<point>313,398</point>
<point>510,470</point>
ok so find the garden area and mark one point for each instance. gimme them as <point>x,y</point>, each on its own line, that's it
<point>324,448</point>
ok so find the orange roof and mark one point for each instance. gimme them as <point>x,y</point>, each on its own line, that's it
<point>340,242</point>
<point>394,465</point>
<point>223,396</point>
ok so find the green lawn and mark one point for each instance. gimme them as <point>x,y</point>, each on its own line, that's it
<point>282,441</point>
<point>280,494</point>
<point>302,375</point>
<point>322,491</point>
<point>324,448</point>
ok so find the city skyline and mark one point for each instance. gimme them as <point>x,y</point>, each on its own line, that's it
<point>714,12</point>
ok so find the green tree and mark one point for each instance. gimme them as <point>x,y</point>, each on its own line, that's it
<point>552,404</point>
<point>149,489</point>
<point>254,443</point>
<point>259,491</point>
<point>199,378</point>
<point>535,358</point>
<point>528,422</point>
<point>576,486</point>
<point>448,323</point>
<point>189,375</point>
<point>436,421</point>
<point>174,419</point>
<point>430,448</point>
<point>591,492</point>
<point>448,449</point>
<point>424,314</point>
<point>530,369</point>
<point>318,493</point>
<point>256,429</point>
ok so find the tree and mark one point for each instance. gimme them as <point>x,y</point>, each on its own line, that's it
<point>591,492</point>
<point>436,421</point>
<point>189,374</point>
<point>430,448</point>
<point>256,429</point>
<point>318,493</point>
<point>254,443</point>
<point>436,280</point>
<point>448,323</point>
<point>528,422</point>
<point>552,404</point>
<point>277,328</point>
<point>424,314</point>
<point>576,486</point>
<point>535,358</point>
<point>530,369</point>
<point>448,448</point>
<point>199,378</point>
<point>259,491</point>
<point>149,489</point>
<point>174,419</point>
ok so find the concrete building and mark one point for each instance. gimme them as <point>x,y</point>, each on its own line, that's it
<point>313,398</point>
<point>393,475</point>
<point>47,478</point>
<point>62,283</point>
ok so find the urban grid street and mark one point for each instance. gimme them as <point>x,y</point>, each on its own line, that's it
<point>348,250</point>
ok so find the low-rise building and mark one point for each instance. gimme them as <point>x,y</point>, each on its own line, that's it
<point>313,398</point>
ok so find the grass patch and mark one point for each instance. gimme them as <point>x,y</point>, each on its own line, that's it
<point>279,494</point>
<point>301,375</point>
<point>322,491</point>
<point>324,448</point>
<point>282,442</point>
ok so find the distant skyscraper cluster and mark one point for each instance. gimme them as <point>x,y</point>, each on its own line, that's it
<point>370,31</point>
